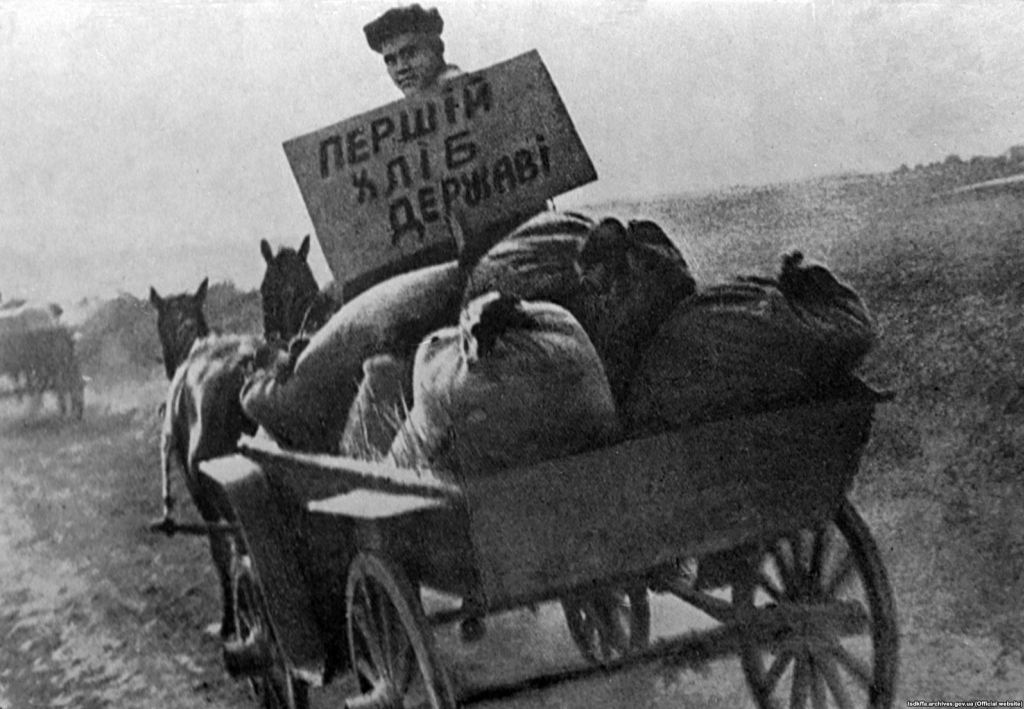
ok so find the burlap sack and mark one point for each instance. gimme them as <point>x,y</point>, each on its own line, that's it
<point>379,409</point>
<point>747,346</point>
<point>306,406</point>
<point>516,382</point>
<point>620,282</point>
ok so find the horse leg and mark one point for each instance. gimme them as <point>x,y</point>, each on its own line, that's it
<point>77,397</point>
<point>35,392</point>
<point>168,455</point>
<point>63,398</point>
<point>221,550</point>
<point>213,509</point>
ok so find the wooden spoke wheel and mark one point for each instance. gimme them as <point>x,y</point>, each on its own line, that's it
<point>608,623</point>
<point>273,686</point>
<point>840,646</point>
<point>391,645</point>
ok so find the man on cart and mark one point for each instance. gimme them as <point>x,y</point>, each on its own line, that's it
<point>409,40</point>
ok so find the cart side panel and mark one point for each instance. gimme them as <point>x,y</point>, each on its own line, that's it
<point>432,545</point>
<point>626,509</point>
<point>267,537</point>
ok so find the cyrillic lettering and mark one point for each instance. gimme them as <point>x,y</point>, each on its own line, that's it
<point>358,148</point>
<point>476,95</point>
<point>503,175</point>
<point>332,144</point>
<point>459,150</point>
<point>398,174</point>
<point>363,183</point>
<point>402,218</point>
<point>380,128</point>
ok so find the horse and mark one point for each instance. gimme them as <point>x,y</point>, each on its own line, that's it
<point>292,301</point>
<point>42,360</point>
<point>202,416</point>
<point>24,358</point>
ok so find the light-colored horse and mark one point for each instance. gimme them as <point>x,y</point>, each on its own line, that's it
<point>202,415</point>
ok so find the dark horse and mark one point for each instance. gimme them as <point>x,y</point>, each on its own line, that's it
<point>203,418</point>
<point>292,301</point>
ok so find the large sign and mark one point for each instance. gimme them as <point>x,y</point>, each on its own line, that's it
<point>427,172</point>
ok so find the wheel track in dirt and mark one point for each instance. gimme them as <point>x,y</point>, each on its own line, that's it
<point>86,621</point>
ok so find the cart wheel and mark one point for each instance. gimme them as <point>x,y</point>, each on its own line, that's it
<point>392,647</point>
<point>847,659</point>
<point>607,623</point>
<point>273,685</point>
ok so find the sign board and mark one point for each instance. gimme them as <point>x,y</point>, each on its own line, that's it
<point>418,174</point>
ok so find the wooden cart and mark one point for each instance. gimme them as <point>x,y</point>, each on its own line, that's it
<point>333,553</point>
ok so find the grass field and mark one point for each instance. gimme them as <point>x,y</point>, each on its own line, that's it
<point>96,612</point>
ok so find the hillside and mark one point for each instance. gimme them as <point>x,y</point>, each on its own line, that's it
<point>119,338</point>
<point>939,484</point>
<point>836,219</point>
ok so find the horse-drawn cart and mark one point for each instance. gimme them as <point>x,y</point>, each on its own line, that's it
<point>36,359</point>
<point>332,555</point>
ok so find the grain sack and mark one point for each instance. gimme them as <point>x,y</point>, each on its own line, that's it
<point>619,282</point>
<point>515,383</point>
<point>306,406</point>
<point>379,409</point>
<point>747,346</point>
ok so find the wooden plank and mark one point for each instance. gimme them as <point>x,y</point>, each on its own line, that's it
<point>372,504</point>
<point>266,534</point>
<point>431,542</point>
<point>422,174</point>
<point>318,475</point>
<point>634,506</point>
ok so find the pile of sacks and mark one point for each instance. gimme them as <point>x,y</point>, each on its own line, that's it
<point>569,334</point>
<point>750,345</point>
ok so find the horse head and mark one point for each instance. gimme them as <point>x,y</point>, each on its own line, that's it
<point>179,322</point>
<point>288,291</point>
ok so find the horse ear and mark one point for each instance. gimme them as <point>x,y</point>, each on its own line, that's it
<point>154,298</point>
<point>304,248</point>
<point>201,292</point>
<point>268,254</point>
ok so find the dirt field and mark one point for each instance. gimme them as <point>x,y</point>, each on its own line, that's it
<point>98,612</point>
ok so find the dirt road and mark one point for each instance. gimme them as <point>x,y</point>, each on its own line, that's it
<point>97,612</point>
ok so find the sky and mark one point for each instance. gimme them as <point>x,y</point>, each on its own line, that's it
<point>140,142</point>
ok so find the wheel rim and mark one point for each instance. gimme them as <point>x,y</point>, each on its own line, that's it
<point>392,651</point>
<point>608,624</point>
<point>820,665</point>
<point>273,688</point>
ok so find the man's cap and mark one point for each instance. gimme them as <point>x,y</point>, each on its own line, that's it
<point>402,20</point>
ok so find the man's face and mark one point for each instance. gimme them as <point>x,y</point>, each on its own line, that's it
<point>412,61</point>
